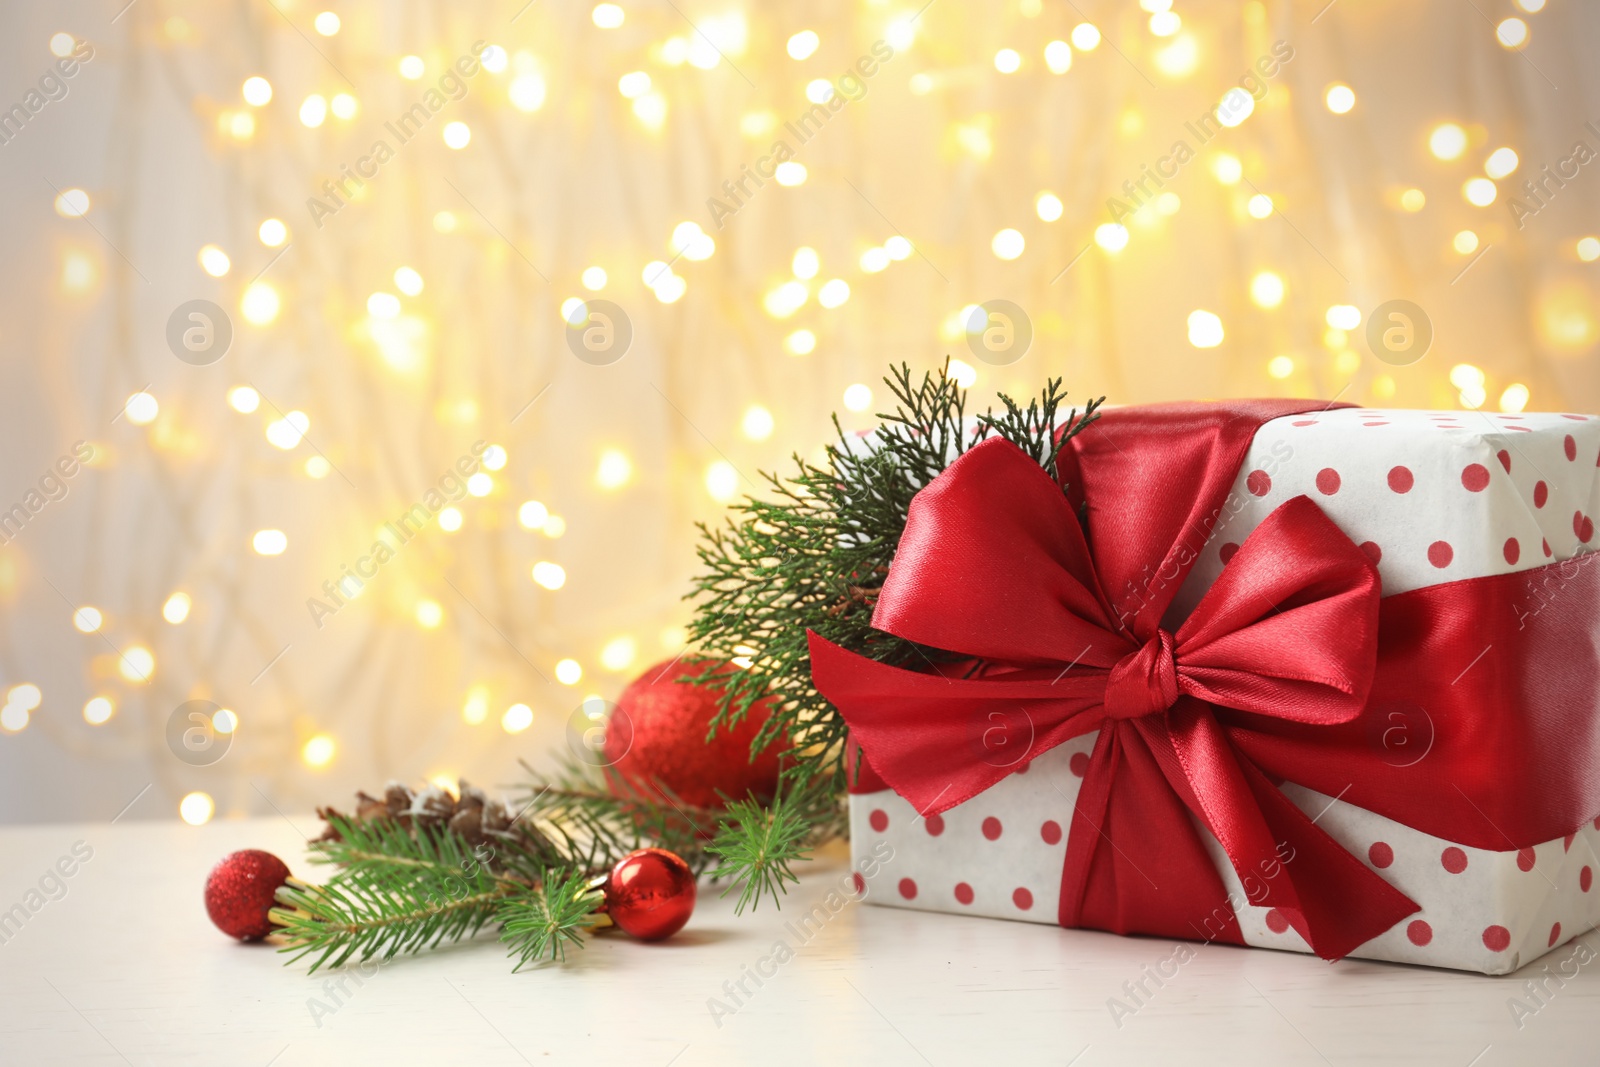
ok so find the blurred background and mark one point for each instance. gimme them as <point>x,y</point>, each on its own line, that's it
<point>616,260</point>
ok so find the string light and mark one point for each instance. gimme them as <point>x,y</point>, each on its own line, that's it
<point>1447,141</point>
<point>833,293</point>
<point>1501,162</point>
<point>1588,249</point>
<point>1340,98</point>
<point>803,44</point>
<point>858,397</point>
<point>569,672</point>
<point>344,106</point>
<point>607,16</point>
<point>614,469</point>
<point>450,519</point>
<point>87,619</point>
<point>327,23</point>
<point>1111,236</point>
<point>1514,398</point>
<point>257,91</point>
<point>430,613</point>
<point>1007,61</point>
<point>805,263</point>
<point>141,408</point>
<point>97,711</point>
<point>243,399</point>
<point>1008,244</point>
<point>269,542</point>
<point>214,261</point>
<point>619,653</point>
<point>136,664</point>
<point>1512,33</point>
<point>273,233</point>
<point>1085,37</point>
<point>1480,192</point>
<point>757,423</point>
<point>722,481</point>
<point>1058,57</point>
<point>475,709</point>
<point>532,514</point>
<point>318,751</point>
<point>1267,289</point>
<point>1465,242</point>
<point>549,575</point>
<point>1280,367</point>
<point>517,718</point>
<point>1259,206</point>
<point>72,203</point>
<point>196,809</point>
<point>313,111</point>
<point>1205,329</point>
<point>176,609</point>
<point>412,67</point>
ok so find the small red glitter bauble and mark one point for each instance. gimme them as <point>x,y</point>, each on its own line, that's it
<point>239,892</point>
<point>658,734</point>
<point>650,893</point>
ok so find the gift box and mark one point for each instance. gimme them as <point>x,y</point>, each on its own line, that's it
<point>1277,674</point>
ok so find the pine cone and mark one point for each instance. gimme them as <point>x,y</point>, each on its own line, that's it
<point>471,815</point>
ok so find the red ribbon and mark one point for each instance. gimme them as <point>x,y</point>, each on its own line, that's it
<point>1290,668</point>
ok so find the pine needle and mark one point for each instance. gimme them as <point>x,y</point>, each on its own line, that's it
<point>538,925</point>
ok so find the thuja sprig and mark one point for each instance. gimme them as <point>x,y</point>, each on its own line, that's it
<point>814,555</point>
<point>758,844</point>
<point>539,925</point>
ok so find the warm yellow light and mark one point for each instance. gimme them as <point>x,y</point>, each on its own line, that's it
<point>614,469</point>
<point>457,135</point>
<point>25,696</point>
<point>317,467</point>
<point>1058,57</point>
<point>383,305</point>
<point>1447,141</point>
<point>98,710</point>
<point>77,272</point>
<point>1413,200</point>
<point>1111,236</point>
<point>693,242</point>
<point>259,304</point>
<point>874,260</point>
<point>326,23</point>
<point>1512,33</point>
<point>141,408</point>
<point>1205,329</point>
<point>834,292</point>
<point>1007,61</point>
<point>430,613</point>
<point>757,423</point>
<point>87,619</point>
<point>1280,367</point>
<point>344,106</point>
<point>1226,168</point>
<point>480,484</point>
<point>674,638</point>
<point>1465,242</point>
<point>240,125</point>
<point>1514,398</point>
<point>1501,161</point>
<point>196,809</point>
<point>1473,397</point>
<point>790,297</point>
<point>408,281</point>
<point>1085,37</point>
<point>1168,203</point>
<point>549,575</point>
<point>243,399</point>
<point>790,173</point>
<point>176,609</point>
<point>1467,376</point>
<point>1008,244</point>
<point>1340,98</point>
<point>803,44</point>
<point>214,261</point>
<point>136,664</point>
<point>495,457</point>
<point>270,542</point>
<point>1165,23</point>
<point>1260,206</point>
<point>286,433</point>
<point>476,707</point>
<point>962,373</point>
<point>858,397</point>
<point>273,233</point>
<point>901,33</point>
<point>1532,7</point>
<point>62,44</point>
<point>1180,58</point>
<point>1343,317</point>
<point>554,527</point>
<point>1480,192</point>
<point>257,91</point>
<point>722,481</point>
<point>450,520</point>
<point>412,67</point>
<point>800,343</point>
<point>72,203</point>
<point>618,653</point>
<point>13,718</point>
<point>594,279</point>
<point>607,16</point>
<point>1266,289</point>
<point>569,672</point>
<point>313,111</point>
<point>1047,206</point>
<point>805,263</point>
<point>526,92</point>
<point>532,514</point>
<point>224,721</point>
<point>318,751</point>
<point>1236,106</point>
<point>1588,249</point>
<point>517,718</point>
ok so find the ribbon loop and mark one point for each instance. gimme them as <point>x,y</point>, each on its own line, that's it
<point>1143,682</point>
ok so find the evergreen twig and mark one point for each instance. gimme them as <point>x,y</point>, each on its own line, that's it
<point>540,924</point>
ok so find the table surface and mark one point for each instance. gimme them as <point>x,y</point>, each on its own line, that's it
<point>124,968</point>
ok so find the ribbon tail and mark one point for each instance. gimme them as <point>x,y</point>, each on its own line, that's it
<point>1342,903</point>
<point>1125,870</point>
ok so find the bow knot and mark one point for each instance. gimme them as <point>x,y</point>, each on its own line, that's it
<point>1143,682</point>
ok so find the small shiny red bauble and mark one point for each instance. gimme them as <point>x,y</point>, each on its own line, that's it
<point>650,893</point>
<point>658,735</point>
<point>239,893</point>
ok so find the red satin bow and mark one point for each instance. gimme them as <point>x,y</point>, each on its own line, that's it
<point>993,565</point>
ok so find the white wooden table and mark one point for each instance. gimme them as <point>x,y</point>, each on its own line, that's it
<point>125,969</point>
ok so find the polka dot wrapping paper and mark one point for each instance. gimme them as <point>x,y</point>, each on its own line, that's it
<point>1431,497</point>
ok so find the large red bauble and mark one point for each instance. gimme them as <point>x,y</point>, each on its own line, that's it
<point>239,893</point>
<point>657,733</point>
<point>650,893</point>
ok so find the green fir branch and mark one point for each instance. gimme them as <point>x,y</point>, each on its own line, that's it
<point>385,848</point>
<point>539,925</point>
<point>758,845</point>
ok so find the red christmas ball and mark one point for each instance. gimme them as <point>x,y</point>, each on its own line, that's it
<point>650,893</point>
<point>658,734</point>
<point>239,891</point>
